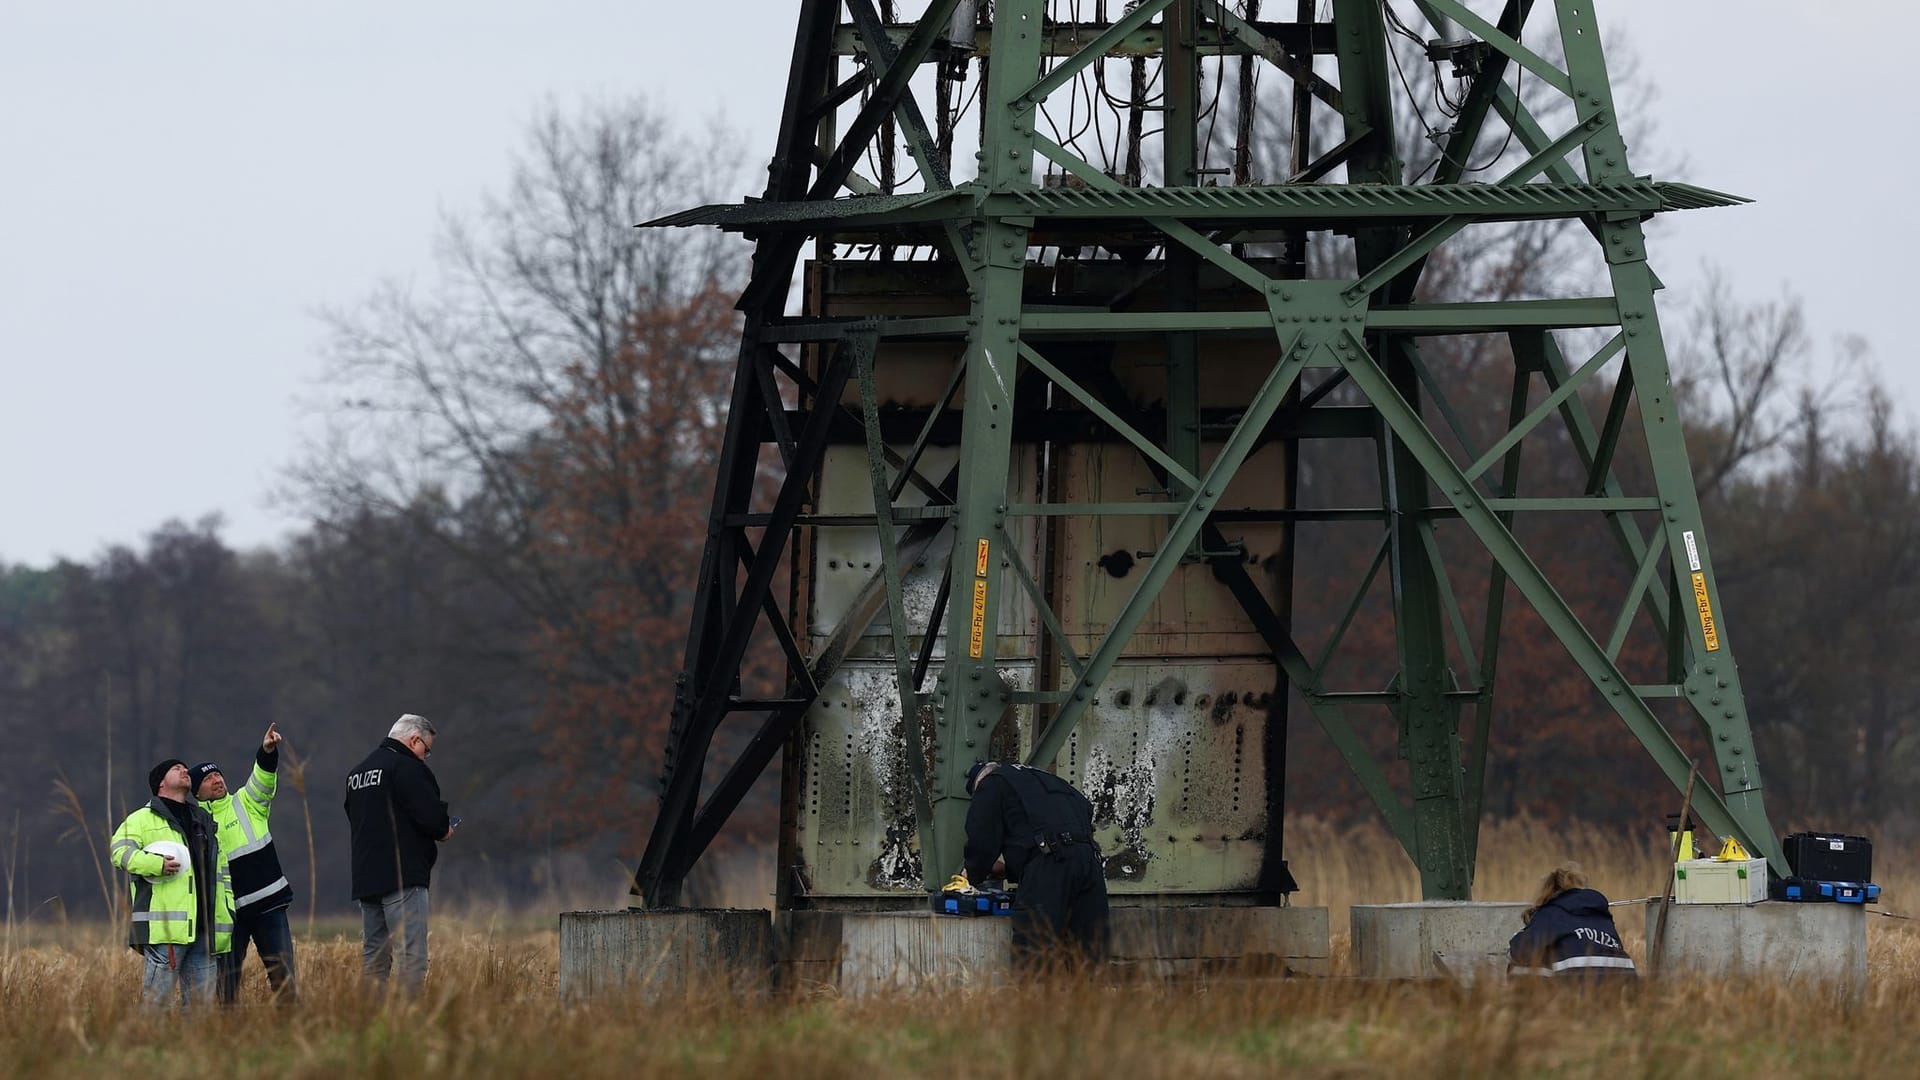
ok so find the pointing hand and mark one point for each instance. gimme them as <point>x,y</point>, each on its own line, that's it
<point>272,738</point>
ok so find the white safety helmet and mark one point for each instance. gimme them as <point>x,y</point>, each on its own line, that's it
<point>172,849</point>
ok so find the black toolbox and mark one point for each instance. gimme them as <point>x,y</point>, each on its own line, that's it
<point>1829,857</point>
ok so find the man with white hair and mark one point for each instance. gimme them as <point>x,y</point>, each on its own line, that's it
<point>397,818</point>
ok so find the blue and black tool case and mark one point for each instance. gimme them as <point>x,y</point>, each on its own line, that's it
<point>1829,856</point>
<point>1827,867</point>
<point>978,902</point>
<point>1840,892</point>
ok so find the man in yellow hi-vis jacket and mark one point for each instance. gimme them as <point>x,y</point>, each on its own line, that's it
<point>182,896</point>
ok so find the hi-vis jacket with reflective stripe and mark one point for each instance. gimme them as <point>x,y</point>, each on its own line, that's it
<point>169,910</point>
<point>258,883</point>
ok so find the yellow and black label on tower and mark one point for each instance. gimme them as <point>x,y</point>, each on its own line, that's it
<point>977,631</point>
<point>1707,626</point>
<point>977,634</point>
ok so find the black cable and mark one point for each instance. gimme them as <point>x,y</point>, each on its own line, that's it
<point>1519,73</point>
<point>1413,100</point>
<point>1394,23</point>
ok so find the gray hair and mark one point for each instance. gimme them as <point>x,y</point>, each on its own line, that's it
<point>409,725</point>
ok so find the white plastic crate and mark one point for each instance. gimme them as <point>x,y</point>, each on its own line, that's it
<point>1710,881</point>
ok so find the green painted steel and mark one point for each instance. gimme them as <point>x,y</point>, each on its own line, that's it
<point>1427,719</point>
<point>971,698</point>
<point>1205,286</point>
<point>1712,679</point>
<point>1241,206</point>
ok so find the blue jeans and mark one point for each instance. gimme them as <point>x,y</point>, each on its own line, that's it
<point>395,924</point>
<point>269,933</point>
<point>177,974</point>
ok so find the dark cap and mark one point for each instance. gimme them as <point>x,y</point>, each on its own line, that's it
<point>200,772</point>
<point>159,773</point>
<point>973,774</point>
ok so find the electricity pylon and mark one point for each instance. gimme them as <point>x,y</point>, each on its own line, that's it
<point>1114,330</point>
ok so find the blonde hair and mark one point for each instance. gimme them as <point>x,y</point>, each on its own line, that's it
<point>1558,880</point>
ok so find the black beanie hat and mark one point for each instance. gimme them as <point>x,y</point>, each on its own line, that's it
<point>973,774</point>
<point>159,773</point>
<point>198,773</point>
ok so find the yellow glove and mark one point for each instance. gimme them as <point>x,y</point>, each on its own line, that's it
<point>958,883</point>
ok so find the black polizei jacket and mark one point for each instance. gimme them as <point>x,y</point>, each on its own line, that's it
<point>397,817</point>
<point>1015,810</point>
<point>1572,933</point>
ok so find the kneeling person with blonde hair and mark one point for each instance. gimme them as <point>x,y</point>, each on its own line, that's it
<point>1569,931</point>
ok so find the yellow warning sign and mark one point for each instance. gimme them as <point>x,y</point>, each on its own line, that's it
<point>980,560</point>
<point>1706,611</point>
<point>977,634</point>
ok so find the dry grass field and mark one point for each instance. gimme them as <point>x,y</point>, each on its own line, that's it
<point>68,1008</point>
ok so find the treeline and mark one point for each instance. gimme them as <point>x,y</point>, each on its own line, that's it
<point>184,647</point>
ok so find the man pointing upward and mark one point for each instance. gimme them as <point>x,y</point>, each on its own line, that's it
<point>261,894</point>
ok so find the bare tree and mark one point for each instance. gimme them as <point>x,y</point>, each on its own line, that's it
<point>1733,371</point>
<point>435,396</point>
<point>545,415</point>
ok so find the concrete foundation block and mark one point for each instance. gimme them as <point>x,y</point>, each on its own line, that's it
<point>856,953</point>
<point>1820,943</point>
<point>656,955</point>
<point>1177,942</point>
<point>859,953</point>
<point>1432,938</point>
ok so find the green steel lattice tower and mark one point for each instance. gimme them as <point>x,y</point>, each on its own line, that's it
<point>1132,342</point>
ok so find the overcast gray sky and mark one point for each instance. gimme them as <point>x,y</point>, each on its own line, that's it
<point>186,182</point>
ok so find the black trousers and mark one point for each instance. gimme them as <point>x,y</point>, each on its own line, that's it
<point>268,932</point>
<point>1060,909</point>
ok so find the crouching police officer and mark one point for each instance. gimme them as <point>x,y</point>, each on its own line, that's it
<point>1033,828</point>
<point>1569,932</point>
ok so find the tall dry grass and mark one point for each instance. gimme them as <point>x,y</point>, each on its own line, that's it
<point>69,1007</point>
